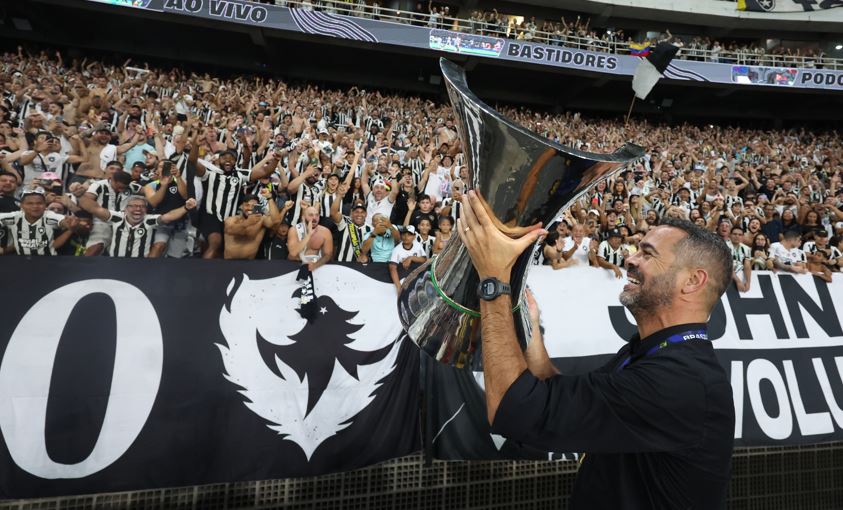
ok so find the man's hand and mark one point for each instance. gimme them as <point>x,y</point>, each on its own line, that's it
<point>492,251</point>
<point>617,271</point>
<point>190,203</point>
<point>71,222</point>
<point>406,262</point>
<point>514,231</point>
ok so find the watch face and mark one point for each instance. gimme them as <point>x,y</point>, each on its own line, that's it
<point>488,288</point>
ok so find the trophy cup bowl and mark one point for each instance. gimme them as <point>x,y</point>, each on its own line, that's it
<point>525,178</point>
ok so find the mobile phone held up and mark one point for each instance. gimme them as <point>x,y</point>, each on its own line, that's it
<point>167,169</point>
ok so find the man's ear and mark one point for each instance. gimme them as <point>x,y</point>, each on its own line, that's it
<point>695,281</point>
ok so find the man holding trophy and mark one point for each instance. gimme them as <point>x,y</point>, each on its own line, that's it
<point>656,422</point>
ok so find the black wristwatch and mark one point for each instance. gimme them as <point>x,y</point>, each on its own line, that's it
<point>491,288</point>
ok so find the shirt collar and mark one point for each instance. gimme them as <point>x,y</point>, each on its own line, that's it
<point>639,346</point>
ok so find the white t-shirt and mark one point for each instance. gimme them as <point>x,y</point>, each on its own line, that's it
<point>399,253</point>
<point>107,155</point>
<point>433,187</point>
<point>787,257</point>
<point>581,255</point>
<point>373,207</point>
<point>51,162</point>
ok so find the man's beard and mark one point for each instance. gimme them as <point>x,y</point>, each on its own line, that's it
<point>650,294</point>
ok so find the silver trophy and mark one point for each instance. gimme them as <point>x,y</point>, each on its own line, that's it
<point>525,178</point>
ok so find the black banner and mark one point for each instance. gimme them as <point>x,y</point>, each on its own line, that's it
<point>121,375</point>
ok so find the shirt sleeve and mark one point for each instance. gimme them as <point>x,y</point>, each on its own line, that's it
<point>94,188</point>
<point>9,218</point>
<point>647,407</point>
<point>152,220</point>
<point>53,219</point>
<point>601,250</point>
<point>116,217</point>
<point>209,167</point>
<point>343,224</point>
<point>395,258</point>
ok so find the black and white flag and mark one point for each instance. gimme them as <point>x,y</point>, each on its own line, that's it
<point>651,68</point>
<point>123,375</point>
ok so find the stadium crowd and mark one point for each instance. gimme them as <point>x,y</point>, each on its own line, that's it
<point>572,31</point>
<point>131,161</point>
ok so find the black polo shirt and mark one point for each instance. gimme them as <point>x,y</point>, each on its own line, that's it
<point>657,431</point>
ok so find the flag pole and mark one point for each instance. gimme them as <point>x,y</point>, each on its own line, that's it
<point>631,104</point>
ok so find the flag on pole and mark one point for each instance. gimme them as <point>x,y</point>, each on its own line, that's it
<point>639,49</point>
<point>652,68</point>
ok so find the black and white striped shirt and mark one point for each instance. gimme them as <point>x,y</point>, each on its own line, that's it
<point>307,193</point>
<point>456,207</point>
<point>426,244</point>
<point>658,206</point>
<point>25,107</point>
<point>740,253</point>
<point>831,252</point>
<point>106,197</point>
<point>610,255</point>
<point>325,203</point>
<point>350,247</point>
<point>132,241</point>
<point>222,193</point>
<point>342,118</point>
<point>34,238</point>
<point>370,121</point>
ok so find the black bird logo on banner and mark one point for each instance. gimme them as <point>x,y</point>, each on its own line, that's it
<point>318,346</point>
<point>309,379</point>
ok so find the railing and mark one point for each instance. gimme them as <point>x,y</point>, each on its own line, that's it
<point>362,10</point>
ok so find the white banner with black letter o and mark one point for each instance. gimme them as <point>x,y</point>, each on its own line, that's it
<point>27,368</point>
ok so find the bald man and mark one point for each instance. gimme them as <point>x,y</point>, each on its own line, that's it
<point>310,242</point>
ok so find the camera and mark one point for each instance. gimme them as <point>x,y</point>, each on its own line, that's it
<point>167,169</point>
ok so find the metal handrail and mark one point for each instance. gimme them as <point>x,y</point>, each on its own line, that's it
<point>360,9</point>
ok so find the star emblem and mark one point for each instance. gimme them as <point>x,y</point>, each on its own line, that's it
<point>323,310</point>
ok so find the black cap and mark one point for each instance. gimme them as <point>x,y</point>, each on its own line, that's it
<point>138,163</point>
<point>358,206</point>
<point>821,232</point>
<point>615,233</point>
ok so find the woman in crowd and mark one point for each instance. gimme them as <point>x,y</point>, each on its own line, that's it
<point>789,221</point>
<point>760,250</point>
